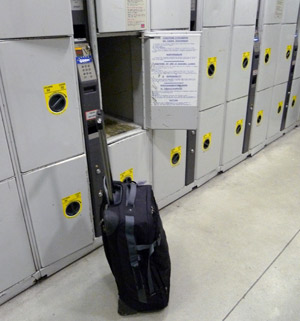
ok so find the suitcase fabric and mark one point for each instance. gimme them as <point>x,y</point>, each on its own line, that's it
<point>136,249</point>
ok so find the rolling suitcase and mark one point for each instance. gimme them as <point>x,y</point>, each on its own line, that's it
<point>134,241</point>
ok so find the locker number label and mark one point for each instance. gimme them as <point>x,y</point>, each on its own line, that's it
<point>259,118</point>
<point>127,175</point>
<point>211,67</point>
<point>245,60</point>
<point>56,98</point>
<point>267,55</point>
<point>175,156</point>
<point>294,101</point>
<point>280,105</point>
<point>72,205</point>
<point>206,142</point>
<point>239,127</point>
<point>288,52</point>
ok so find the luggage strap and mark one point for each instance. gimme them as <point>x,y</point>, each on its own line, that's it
<point>131,194</point>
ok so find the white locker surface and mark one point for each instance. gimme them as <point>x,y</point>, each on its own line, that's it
<point>260,118</point>
<point>168,178</point>
<point>214,13</point>
<point>121,15</point>
<point>285,52</point>
<point>6,170</point>
<point>214,45</point>
<point>294,103</point>
<point>276,109</point>
<point>15,254</point>
<point>290,13</point>
<point>234,129</point>
<point>35,18</point>
<point>241,61</point>
<point>57,235</point>
<point>245,12</point>
<point>27,67</point>
<point>209,140</point>
<point>131,153</point>
<point>267,66</point>
<point>272,11</point>
<point>170,14</point>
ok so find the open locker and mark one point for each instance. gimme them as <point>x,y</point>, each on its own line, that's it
<point>234,132</point>
<point>61,216</point>
<point>276,111</point>
<point>241,61</point>
<point>260,118</point>
<point>209,143</point>
<point>293,109</point>
<point>42,73</point>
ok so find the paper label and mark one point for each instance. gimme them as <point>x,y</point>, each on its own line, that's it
<point>175,70</point>
<point>89,115</point>
<point>77,5</point>
<point>72,205</point>
<point>127,174</point>
<point>136,14</point>
<point>279,9</point>
<point>175,156</point>
<point>56,98</point>
<point>206,142</point>
<point>246,60</point>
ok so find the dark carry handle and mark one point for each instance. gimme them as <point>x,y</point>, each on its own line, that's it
<point>131,194</point>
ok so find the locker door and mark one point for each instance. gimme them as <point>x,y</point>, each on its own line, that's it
<point>213,66</point>
<point>121,15</point>
<point>214,13</point>
<point>209,140</point>
<point>35,18</point>
<point>40,84</point>
<point>59,203</point>
<point>170,14</point>
<point>241,60</point>
<point>260,117</point>
<point>234,129</point>
<point>169,161</point>
<point>276,110</point>
<point>272,10</point>
<point>6,170</point>
<point>293,109</point>
<point>290,13</point>
<point>171,79</point>
<point>245,12</point>
<point>268,56</point>
<point>15,253</point>
<point>285,52</point>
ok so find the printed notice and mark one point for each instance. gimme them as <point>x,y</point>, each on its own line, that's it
<point>279,9</point>
<point>136,14</point>
<point>175,70</point>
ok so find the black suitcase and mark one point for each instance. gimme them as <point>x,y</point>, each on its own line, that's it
<point>135,242</point>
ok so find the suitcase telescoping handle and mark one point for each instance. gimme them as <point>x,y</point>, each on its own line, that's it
<point>105,156</point>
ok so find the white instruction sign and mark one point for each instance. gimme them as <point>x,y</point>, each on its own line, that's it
<point>175,70</point>
<point>136,14</point>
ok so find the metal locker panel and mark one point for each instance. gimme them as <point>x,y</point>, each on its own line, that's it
<point>121,15</point>
<point>297,66</point>
<point>130,157</point>
<point>171,68</point>
<point>234,129</point>
<point>276,109</point>
<point>294,103</point>
<point>214,52</point>
<point>169,160</point>
<point>214,13</point>
<point>59,203</point>
<point>260,118</point>
<point>268,56</point>
<point>285,52</point>
<point>241,61</point>
<point>15,254</point>
<point>170,14</point>
<point>209,140</point>
<point>245,12</point>
<point>6,170</point>
<point>35,18</point>
<point>290,13</point>
<point>271,11</point>
<point>37,74</point>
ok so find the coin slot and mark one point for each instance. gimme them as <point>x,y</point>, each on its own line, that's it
<point>238,129</point>
<point>267,58</point>
<point>245,63</point>
<point>279,109</point>
<point>288,53</point>
<point>259,118</point>
<point>293,102</point>
<point>73,209</point>
<point>211,70</point>
<point>175,158</point>
<point>57,103</point>
<point>206,144</point>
